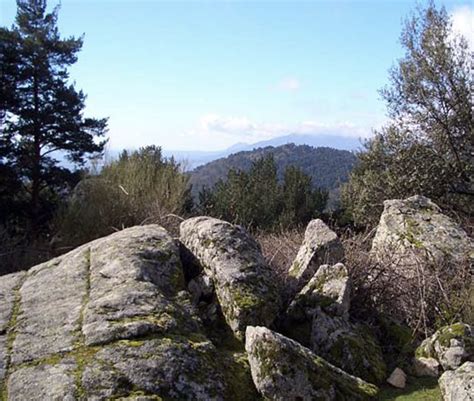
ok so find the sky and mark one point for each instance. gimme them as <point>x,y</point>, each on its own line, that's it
<point>204,75</point>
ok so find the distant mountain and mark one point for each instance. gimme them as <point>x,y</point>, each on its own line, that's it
<point>328,167</point>
<point>193,159</point>
<point>322,140</point>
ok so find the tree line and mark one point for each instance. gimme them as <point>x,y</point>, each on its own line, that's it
<point>427,147</point>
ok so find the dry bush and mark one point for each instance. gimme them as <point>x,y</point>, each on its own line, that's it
<point>279,250</point>
<point>18,253</point>
<point>424,295</point>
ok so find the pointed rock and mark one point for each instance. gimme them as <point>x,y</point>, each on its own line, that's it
<point>398,378</point>
<point>320,246</point>
<point>329,289</point>
<point>282,369</point>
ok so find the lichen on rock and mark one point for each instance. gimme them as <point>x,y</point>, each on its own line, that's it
<point>450,345</point>
<point>413,231</point>
<point>320,246</point>
<point>458,385</point>
<point>244,283</point>
<point>348,346</point>
<point>282,369</point>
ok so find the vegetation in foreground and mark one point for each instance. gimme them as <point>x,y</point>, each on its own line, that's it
<point>417,389</point>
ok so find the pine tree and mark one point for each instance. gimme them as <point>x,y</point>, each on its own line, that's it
<point>41,112</point>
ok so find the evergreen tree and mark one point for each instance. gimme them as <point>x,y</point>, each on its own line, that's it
<point>41,112</point>
<point>301,202</point>
<point>257,200</point>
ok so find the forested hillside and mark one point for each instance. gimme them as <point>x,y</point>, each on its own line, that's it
<point>327,167</point>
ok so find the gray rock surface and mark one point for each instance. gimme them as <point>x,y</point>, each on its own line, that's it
<point>458,385</point>
<point>414,230</point>
<point>282,369</point>
<point>329,289</point>
<point>111,320</point>
<point>9,285</point>
<point>320,246</point>
<point>3,356</point>
<point>450,346</point>
<point>45,382</point>
<point>132,293</point>
<point>423,367</point>
<point>244,283</point>
<point>348,346</point>
<point>397,378</point>
<point>48,320</point>
<point>173,367</point>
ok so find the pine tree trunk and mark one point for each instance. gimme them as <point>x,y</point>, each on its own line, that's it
<point>35,176</point>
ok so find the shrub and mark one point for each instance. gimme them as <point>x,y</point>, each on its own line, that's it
<point>140,187</point>
<point>436,295</point>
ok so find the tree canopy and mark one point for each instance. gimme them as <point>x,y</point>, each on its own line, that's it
<point>257,200</point>
<point>428,146</point>
<point>41,112</point>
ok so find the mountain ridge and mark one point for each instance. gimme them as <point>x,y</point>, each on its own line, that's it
<point>327,167</point>
<point>193,159</point>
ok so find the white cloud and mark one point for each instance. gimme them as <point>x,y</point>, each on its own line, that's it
<point>227,125</point>
<point>463,23</point>
<point>224,131</point>
<point>289,84</point>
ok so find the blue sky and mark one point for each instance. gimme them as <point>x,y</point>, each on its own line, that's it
<point>204,75</point>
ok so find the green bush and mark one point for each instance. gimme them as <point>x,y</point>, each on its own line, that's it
<point>140,187</point>
<point>257,200</point>
<point>427,146</point>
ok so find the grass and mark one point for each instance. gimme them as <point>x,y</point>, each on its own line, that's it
<point>417,389</point>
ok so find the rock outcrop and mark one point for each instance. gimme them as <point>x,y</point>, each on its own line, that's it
<point>244,284</point>
<point>321,246</point>
<point>282,369</point>
<point>414,230</point>
<point>110,319</point>
<point>318,318</point>
<point>458,385</point>
<point>450,346</point>
<point>348,346</point>
<point>140,315</point>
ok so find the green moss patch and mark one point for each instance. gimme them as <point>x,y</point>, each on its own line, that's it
<point>417,389</point>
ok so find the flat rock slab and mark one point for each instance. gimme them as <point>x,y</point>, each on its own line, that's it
<point>49,314</point>
<point>282,369</point>
<point>111,320</point>
<point>8,286</point>
<point>175,368</point>
<point>244,283</point>
<point>320,246</point>
<point>3,356</point>
<point>135,276</point>
<point>46,382</point>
